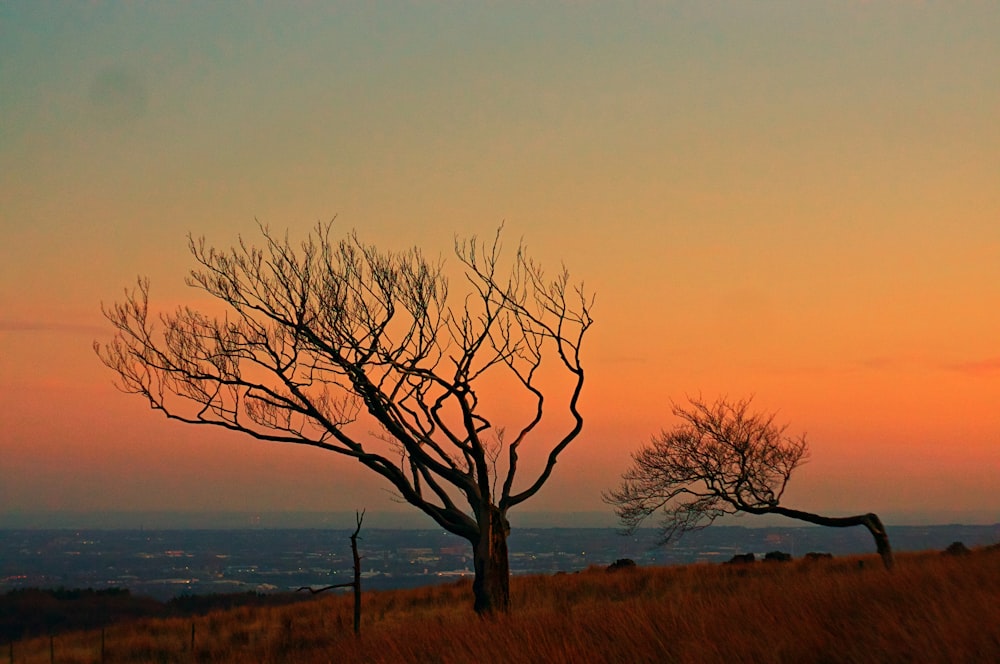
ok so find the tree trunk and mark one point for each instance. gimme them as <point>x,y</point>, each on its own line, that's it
<point>491,585</point>
<point>357,574</point>
<point>869,521</point>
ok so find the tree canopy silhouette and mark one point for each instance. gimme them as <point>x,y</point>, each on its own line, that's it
<point>321,340</point>
<point>721,459</point>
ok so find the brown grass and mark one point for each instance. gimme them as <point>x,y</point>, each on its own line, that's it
<point>931,608</point>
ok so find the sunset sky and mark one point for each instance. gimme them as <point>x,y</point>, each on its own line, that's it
<point>798,201</point>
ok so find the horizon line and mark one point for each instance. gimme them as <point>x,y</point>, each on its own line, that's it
<point>408,519</point>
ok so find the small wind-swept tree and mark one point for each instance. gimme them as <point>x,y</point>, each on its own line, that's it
<point>366,353</point>
<point>721,459</point>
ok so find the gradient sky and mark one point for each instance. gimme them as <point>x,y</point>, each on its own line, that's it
<point>799,201</point>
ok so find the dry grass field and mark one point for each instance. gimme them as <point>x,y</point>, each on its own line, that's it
<point>931,608</point>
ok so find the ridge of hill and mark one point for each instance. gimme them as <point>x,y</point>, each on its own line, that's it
<point>931,608</point>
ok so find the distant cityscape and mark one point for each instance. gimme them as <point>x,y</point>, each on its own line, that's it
<point>164,563</point>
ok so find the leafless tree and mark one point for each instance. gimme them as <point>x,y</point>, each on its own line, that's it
<point>344,347</point>
<point>721,459</point>
<point>355,583</point>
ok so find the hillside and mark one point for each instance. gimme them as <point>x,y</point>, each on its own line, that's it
<point>931,608</point>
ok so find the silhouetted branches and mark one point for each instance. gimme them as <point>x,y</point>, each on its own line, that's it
<point>313,338</point>
<point>721,459</point>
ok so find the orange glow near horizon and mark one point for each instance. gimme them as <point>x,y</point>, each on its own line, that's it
<point>798,203</point>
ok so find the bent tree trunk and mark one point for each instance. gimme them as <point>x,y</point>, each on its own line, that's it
<point>869,521</point>
<point>491,586</point>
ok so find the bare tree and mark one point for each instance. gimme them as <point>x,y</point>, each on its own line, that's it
<point>356,583</point>
<point>361,352</point>
<point>721,459</point>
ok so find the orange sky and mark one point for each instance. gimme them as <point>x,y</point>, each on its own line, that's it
<point>794,200</point>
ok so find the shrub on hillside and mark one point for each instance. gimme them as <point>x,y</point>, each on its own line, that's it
<point>33,611</point>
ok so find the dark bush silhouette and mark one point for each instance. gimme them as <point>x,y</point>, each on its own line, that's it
<point>813,555</point>
<point>957,549</point>
<point>620,564</point>
<point>33,611</point>
<point>777,557</point>
<point>741,559</point>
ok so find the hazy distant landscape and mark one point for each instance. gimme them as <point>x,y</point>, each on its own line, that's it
<point>165,563</point>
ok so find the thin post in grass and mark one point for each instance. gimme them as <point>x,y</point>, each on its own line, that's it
<point>356,583</point>
<point>192,640</point>
<point>359,517</point>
